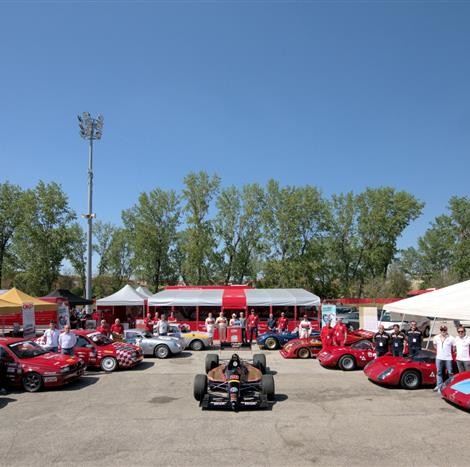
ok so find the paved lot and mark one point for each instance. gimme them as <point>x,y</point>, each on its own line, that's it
<point>147,417</point>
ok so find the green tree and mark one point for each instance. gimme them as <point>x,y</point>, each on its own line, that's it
<point>77,252</point>
<point>120,258</point>
<point>103,233</point>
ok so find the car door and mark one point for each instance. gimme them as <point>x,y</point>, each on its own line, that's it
<point>86,350</point>
<point>12,365</point>
<point>428,371</point>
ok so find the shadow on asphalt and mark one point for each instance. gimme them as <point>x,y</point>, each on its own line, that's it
<point>271,372</point>
<point>280,397</point>
<point>4,401</point>
<point>83,382</point>
<point>183,355</point>
<point>141,367</point>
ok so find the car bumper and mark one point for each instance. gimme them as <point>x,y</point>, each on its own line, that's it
<point>287,354</point>
<point>211,402</point>
<point>63,379</point>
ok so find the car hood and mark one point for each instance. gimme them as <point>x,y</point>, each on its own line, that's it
<point>50,361</point>
<point>380,364</point>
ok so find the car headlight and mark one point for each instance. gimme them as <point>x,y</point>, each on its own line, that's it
<point>385,373</point>
<point>65,369</point>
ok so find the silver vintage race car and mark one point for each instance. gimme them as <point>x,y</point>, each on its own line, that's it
<point>193,340</point>
<point>158,346</point>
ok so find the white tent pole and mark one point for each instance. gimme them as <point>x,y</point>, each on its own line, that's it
<point>402,319</point>
<point>430,332</point>
<point>381,315</point>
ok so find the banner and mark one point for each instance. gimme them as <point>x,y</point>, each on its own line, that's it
<point>29,321</point>
<point>63,315</point>
<point>328,313</point>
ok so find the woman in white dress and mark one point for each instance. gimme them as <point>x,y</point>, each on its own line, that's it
<point>210,326</point>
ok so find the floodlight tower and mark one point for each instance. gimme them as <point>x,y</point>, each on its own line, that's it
<point>90,129</point>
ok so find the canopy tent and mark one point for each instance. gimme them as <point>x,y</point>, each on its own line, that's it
<point>19,298</point>
<point>7,308</point>
<point>236,298</point>
<point>127,296</point>
<point>70,297</point>
<point>451,302</point>
<point>2,291</point>
<point>144,291</point>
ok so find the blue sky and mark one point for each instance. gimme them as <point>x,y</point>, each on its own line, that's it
<point>341,95</point>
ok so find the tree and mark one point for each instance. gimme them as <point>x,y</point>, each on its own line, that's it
<point>197,240</point>
<point>103,233</point>
<point>153,223</point>
<point>42,243</point>
<point>11,217</point>
<point>120,258</point>
<point>77,252</point>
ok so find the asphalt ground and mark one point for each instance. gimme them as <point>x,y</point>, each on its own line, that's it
<point>147,417</point>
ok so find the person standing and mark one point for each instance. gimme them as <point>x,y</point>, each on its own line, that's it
<point>304,328</point>
<point>67,341</point>
<point>283,323</point>
<point>397,341</point>
<point>51,338</point>
<point>117,330</point>
<point>221,324</point>
<point>462,343</point>
<point>103,328</point>
<point>326,335</point>
<point>210,325</point>
<point>234,321</point>
<point>148,322</point>
<point>271,322</point>
<point>381,341</point>
<point>340,333</point>
<point>414,338</point>
<point>252,323</point>
<point>163,326</point>
<point>172,317</point>
<point>443,344</point>
<point>243,326</point>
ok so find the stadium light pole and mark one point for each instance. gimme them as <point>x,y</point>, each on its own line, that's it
<point>91,129</point>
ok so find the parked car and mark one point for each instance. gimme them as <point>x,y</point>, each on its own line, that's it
<point>28,365</point>
<point>99,351</point>
<point>273,340</point>
<point>194,340</point>
<point>457,390</point>
<point>388,319</point>
<point>347,358</point>
<point>158,346</point>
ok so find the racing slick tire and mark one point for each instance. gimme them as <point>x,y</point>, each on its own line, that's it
<point>197,345</point>
<point>161,351</point>
<point>267,387</point>
<point>200,387</point>
<point>32,382</point>
<point>271,343</point>
<point>410,379</point>
<point>303,352</point>
<point>347,363</point>
<point>108,364</point>
<point>259,361</point>
<point>212,360</point>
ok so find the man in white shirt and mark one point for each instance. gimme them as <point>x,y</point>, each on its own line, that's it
<point>443,344</point>
<point>51,338</point>
<point>462,343</point>
<point>67,341</point>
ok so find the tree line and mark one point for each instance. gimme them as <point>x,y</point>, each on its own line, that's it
<point>270,236</point>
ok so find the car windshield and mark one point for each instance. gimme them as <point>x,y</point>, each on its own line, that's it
<point>362,345</point>
<point>26,349</point>
<point>424,356</point>
<point>100,339</point>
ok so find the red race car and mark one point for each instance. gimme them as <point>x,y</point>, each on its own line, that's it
<point>456,390</point>
<point>30,366</point>
<point>311,346</point>
<point>99,351</point>
<point>347,358</point>
<point>407,372</point>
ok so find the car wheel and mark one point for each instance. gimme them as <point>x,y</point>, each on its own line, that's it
<point>303,352</point>
<point>271,343</point>
<point>212,360</point>
<point>32,382</point>
<point>426,331</point>
<point>259,361</point>
<point>267,387</point>
<point>410,379</point>
<point>108,364</point>
<point>197,345</point>
<point>161,351</point>
<point>347,363</point>
<point>200,387</point>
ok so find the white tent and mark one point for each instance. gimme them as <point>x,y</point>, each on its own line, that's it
<point>144,291</point>
<point>127,296</point>
<point>280,297</point>
<point>451,302</point>
<point>187,297</point>
<point>2,291</point>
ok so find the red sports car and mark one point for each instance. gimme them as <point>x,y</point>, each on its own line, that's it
<point>407,372</point>
<point>99,351</point>
<point>311,346</point>
<point>29,365</point>
<point>347,358</point>
<point>457,390</point>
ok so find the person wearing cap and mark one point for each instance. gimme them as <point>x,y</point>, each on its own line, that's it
<point>443,344</point>
<point>252,323</point>
<point>51,337</point>
<point>462,343</point>
<point>283,323</point>
<point>381,341</point>
<point>234,321</point>
<point>340,333</point>
<point>397,341</point>
<point>304,328</point>
<point>414,338</point>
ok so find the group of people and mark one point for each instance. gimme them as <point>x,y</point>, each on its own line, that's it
<point>115,331</point>
<point>334,335</point>
<point>159,324</point>
<point>53,339</point>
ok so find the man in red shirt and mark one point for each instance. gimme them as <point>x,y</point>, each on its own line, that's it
<point>282,323</point>
<point>103,328</point>
<point>326,335</point>
<point>252,324</point>
<point>148,323</point>
<point>117,329</point>
<point>340,333</point>
<point>172,317</point>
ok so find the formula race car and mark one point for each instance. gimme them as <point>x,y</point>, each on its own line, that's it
<point>456,390</point>
<point>27,364</point>
<point>407,372</point>
<point>272,340</point>
<point>234,384</point>
<point>347,358</point>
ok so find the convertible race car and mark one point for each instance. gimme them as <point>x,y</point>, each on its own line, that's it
<point>272,340</point>
<point>194,340</point>
<point>234,384</point>
<point>97,350</point>
<point>407,372</point>
<point>347,358</point>
<point>157,346</point>
<point>29,365</point>
<point>456,390</point>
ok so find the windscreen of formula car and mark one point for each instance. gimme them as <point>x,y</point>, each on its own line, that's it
<point>100,339</point>
<point>26,349</point>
